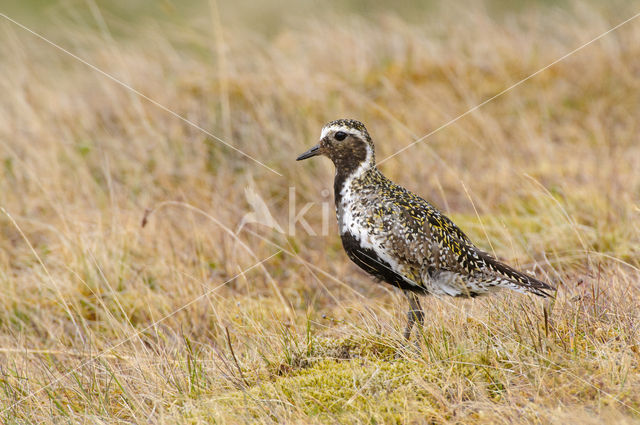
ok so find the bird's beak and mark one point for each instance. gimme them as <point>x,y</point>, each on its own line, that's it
<point>311,152</point>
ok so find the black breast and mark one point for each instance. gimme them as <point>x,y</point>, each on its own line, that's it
<point>370,262</point>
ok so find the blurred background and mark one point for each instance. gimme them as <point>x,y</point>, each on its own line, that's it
<point>267,17</point>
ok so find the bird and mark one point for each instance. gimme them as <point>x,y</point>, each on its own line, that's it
<point>401,239</point>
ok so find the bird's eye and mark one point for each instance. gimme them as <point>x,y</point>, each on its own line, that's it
<point>340,136</point>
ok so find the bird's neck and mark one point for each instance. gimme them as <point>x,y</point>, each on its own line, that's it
<point>350,169</point>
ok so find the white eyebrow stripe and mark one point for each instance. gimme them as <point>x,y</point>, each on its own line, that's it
<point>348,130</point>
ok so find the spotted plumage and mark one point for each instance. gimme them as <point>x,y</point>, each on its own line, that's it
<point>400,238</point>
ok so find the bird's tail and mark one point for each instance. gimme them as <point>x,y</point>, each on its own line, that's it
<point>521,281</point>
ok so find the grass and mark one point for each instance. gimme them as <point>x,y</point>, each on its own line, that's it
<point>103,320</point>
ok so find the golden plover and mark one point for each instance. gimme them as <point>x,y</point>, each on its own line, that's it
<point>400,238</point>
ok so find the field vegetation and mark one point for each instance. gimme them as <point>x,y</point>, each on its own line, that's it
<point>188,320</point>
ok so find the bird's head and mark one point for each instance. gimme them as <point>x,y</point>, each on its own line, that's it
<point>346,142</point>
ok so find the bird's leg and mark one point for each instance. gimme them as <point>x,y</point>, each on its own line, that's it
<point>415,313</point>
